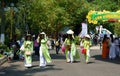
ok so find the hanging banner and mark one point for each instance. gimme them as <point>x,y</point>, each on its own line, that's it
<point>96,16</point>
<point>84,30</point>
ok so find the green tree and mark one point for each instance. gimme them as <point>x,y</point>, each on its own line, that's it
<point>117,29</point>
<point>100,5</point>
<point>52,15</point>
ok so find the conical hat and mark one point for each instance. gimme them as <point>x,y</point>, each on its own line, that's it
<point>70,32</point>
<point>42,33</point>
<point>87,36</point>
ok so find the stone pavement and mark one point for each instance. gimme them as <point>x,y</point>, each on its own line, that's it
<point>59,67</point>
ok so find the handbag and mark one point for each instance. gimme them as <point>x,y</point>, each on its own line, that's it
<point>63,48</point>
<point>27,53</point>
<point>83,51</point>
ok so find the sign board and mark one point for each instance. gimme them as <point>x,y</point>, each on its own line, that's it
<point>84,30</point>
<point>96,16</point>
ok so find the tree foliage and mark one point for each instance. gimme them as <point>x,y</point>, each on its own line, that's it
<point>51,16</point>
<point>117,29</point>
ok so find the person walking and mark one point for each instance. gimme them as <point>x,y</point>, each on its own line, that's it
<point>112,52</point>
<point>70,48</point>
<point>86,45</point>
<point>117,49</point>
<point>105,47</point>
<point>43,50</point>
<point>57,45</point>
<point>15,47</point>
<point>36,47</point>
<point>28,50</point>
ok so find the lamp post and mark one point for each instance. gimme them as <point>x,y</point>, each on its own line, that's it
<point>25,21</point>
<point>11,26</point>
<point>2,39</point>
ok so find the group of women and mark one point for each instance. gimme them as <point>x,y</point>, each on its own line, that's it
<point>27,49</point>
<point>71,52</point>
<point>110,47</point>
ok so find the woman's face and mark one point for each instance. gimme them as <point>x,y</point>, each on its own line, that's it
<point>69,36</point>
<point>28,38</point>
<point>108,39</point>
<point>86,38</point>
<point>42,36</point>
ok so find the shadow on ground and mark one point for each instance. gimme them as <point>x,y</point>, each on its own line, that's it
<point>13,70</point>
<point>99,57</point>
<point>57,56</point>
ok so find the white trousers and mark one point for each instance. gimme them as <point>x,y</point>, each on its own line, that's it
<point>70,57</point>
<point>112,52</point>
<point>27,64</point>
<point>42,59</point>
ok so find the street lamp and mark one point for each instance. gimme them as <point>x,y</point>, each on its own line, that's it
<point>24,20</point>
<point>2,39</point>
<point>11,26</point>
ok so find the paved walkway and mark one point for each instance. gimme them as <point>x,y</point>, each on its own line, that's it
<point>59,67</point>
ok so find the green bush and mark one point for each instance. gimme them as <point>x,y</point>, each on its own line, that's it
<point>4,48</point>
<point>117,29</point>
<point>1,55</point>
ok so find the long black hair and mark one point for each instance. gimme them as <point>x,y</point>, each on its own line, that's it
<point>28,36</point>
<point>111,36</point>
<point>105,37</point>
